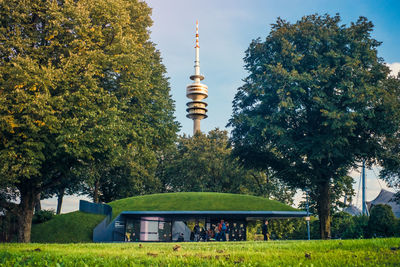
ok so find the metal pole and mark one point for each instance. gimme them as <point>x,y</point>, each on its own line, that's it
<point>363,188</point>
<point>364,203</point>
<point>308,216</point>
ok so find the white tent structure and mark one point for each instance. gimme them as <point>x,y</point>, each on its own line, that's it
<point>352,210</point>
<point>386,197</point>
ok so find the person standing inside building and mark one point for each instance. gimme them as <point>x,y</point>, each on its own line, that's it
<point>265,231</point>
<point>222,230</point>
<point>196,231</point>
<point>227,231</point>
<point>217,235</point>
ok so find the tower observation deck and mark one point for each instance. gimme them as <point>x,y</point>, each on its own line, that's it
<point>196,91</point>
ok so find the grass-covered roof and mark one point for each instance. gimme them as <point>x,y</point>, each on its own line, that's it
<point>197,201</point>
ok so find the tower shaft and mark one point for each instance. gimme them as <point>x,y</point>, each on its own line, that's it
<point>196,126</point>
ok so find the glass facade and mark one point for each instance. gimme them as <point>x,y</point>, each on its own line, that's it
<point>148,229</point>
<point>158,229</point>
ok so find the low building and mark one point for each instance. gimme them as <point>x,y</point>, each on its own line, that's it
<point>171,217</point>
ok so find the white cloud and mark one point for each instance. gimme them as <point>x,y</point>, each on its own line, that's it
<point>394,67</point>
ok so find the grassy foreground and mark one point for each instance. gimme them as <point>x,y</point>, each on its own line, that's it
<point>372,252</point>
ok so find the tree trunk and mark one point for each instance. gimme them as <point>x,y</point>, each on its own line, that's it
<point>96,192</point>
<point>38,207</point>
<point>60,197</point>
<point>26,207</point>
<point>324,211</point>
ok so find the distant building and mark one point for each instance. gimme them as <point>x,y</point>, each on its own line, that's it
<point>386,197</point>
<point>352,210</point>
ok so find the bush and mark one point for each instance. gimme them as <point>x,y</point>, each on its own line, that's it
<point>397,228</point>
<point>254,230</point>
<point>346,226</point>
<point>42,216</point>
<point>341,222</point>
<point>358,228</point>
<point>382,222</point>
<point>283,229</point>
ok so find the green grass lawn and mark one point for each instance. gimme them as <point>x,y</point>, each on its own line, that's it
<point>371,252</point>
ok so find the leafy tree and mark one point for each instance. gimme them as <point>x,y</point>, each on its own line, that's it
<point>204,163</point>
<point>382,222</point>
<point>358,228</point>
<point>341,222</point>
<point>342,187</point>
<point>268,184</point>
<point>82,87</point>
<point>315,104</point>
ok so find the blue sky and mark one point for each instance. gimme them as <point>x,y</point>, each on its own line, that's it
<point>226,29</point>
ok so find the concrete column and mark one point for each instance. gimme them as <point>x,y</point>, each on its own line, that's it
<point>196,126</point>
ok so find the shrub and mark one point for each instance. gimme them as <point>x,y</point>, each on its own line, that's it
<point>42,216</point>
<point>281,229</point>
<point>382,222</point>
<point>341,222</point>
<point>357,228</point>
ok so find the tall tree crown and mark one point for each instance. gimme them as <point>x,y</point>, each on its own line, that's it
<point>315,96</point>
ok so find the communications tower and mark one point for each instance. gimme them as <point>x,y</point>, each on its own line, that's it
<point>197,91</point>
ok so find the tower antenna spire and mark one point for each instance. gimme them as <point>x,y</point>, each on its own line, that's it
<point>196,91</point>
<point>197,34</point>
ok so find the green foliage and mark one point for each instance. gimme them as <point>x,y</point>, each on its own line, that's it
<point>42,216</point>
<point>390,161</point>
<point>358,228</point>
<point>287,229</point>
<point>345,226</point>
<point>382,222</point>
<point>372,252</point>
<point>204,162</point>
<point>74,227</point>
<point>83,96</point>
<point>284,229</point>
<point>8,227</point>
<point>342,187</point>
<point>253,231</point>
<point>317,101</point>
